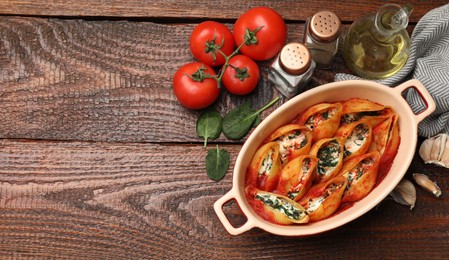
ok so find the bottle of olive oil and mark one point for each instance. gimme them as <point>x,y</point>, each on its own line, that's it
<point>377,46</point>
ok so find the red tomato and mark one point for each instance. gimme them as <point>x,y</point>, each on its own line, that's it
<point>206,38</point>
<point>271,36</point>
<point>241,76</point>
<point>195,94</point>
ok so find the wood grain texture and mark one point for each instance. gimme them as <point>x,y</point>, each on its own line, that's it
<point>99,161</point>
<point>105,81</point>
<point>292,10</point>
<point>58,74</point>
<point>137,201</point>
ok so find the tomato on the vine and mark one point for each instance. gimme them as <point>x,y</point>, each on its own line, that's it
<point>194,87</point>
<point>208,39</point>
<point>265,30</point>
<point>241,76</point>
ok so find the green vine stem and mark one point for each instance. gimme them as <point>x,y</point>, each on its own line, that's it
<point>250,38</point>
<point>268,105</point>
<point>226,64</point>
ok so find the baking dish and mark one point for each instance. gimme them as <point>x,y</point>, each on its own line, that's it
<point>331,92</point>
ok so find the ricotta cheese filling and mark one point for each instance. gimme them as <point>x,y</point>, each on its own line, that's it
<point>357,172</point>
<point>314,203</point>
<point>305,168</point>
<point>356,139</point>
<point>294,140</point>
<point>267,163</point>
<point>317,119</point>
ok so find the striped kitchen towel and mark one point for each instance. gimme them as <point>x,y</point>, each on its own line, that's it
<point>429,63</point>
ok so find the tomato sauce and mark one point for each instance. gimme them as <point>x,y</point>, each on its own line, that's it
<point>387,145</point>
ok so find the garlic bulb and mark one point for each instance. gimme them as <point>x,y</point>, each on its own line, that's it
<point>436,150</point>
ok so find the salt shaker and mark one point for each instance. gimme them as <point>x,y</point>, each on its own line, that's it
<point>321,36</point>
<point>292,70</point>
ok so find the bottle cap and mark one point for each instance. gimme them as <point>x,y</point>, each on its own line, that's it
<point>325,26</point>
<point>295,58</point>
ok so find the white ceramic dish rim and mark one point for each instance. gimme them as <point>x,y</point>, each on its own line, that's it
<point>330,92</point>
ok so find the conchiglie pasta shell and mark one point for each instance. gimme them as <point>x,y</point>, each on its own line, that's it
<point>363,109</point>
<point>375,120</point>
<point>322,127</point>
<point>318,149</point>
<point>382,134</point>
<point>358,188</point>
<point>268,179</point>
<point>329,204</point>
<point>287,152</point>
<point>356,105</point>
<point>295,180</point>
<point>386,140</point>
<point>346,132</point>
<point>274,215</point>
<point>318,108</point>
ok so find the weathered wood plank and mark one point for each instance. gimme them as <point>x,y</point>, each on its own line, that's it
<point>99,200</point>
<point>120,197</point>
<point>104,81</point>
<point>291,9</point>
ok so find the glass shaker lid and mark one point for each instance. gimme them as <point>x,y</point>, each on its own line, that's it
<point>295,58</point>
<point>325,26</point>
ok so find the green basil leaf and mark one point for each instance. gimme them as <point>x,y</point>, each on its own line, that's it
<point>217,163</point>
<point>209,125</point>
<point>240,120</point>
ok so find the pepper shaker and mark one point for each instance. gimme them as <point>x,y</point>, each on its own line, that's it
<point>321,36</point>
<point>292,70</point>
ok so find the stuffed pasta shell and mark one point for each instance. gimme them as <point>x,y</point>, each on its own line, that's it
<point>355,109</point>
<point>323,119</point>
<point>324,199</point>
<point>329,152</point>
<point>329,157</point>
<point>293,139</point>
<point>276,208</point>
<point>265,167</point>
<point>357,138</point>
<point>356,105</point>
<point>297,177</point>
<point>386,140</point>
<point>361,173</point>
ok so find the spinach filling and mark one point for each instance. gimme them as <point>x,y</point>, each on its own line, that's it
<point>352,117</point>
<point>280,205</point>
<point>267,163</point>
<point>328,157</point>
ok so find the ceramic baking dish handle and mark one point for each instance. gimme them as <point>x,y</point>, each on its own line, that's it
<point>218,207</point>
<point>423,93</point>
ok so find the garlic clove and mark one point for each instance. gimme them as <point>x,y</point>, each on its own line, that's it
<point>435,150</point>
<point>445,155</point>
<point>424,181</point>
<point>426,151</point>
<point>404,193</point>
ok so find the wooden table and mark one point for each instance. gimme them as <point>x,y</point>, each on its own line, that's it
<point>98,160</point>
